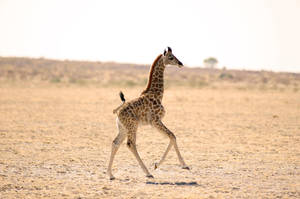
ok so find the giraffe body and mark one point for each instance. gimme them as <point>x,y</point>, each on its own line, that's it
<point>143,110</point>
<point>146,110</point>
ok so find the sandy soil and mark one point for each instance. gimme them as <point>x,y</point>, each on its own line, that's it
<point>55,143</point>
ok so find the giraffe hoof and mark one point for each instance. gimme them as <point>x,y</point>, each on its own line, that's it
<point>155,166</point>
<point>149,176</point>
<point>186,167</point>
<point>112,178</point>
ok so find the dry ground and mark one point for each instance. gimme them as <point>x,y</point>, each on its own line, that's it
<point>55,143</point>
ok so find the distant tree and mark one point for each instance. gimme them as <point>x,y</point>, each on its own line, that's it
<point>210,62</point>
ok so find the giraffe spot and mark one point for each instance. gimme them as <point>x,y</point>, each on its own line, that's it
<point>156,106</point>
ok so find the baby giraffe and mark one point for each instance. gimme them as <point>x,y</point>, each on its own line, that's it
<point>146,109</point>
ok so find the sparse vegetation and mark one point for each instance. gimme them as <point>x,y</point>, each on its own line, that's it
<point>101,74</point>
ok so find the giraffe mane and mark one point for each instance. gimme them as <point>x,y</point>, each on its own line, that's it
<point>151,73</point>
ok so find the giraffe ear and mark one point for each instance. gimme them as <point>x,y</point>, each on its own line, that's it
<point>168,49</point>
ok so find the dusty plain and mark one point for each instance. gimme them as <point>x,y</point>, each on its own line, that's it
<point>55,142</point>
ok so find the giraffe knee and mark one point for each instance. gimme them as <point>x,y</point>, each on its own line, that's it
<point>116,141</point>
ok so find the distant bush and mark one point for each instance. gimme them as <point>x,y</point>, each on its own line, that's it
<point>55,80</point>
<point>130,83</point>
<point>210,62</point>
<point>225,76</point>
<point>78,81</point>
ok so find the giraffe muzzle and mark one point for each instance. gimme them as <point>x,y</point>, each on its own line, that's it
<point>180,65</point>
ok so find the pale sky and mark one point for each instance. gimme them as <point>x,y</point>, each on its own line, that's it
<point>241,34</point>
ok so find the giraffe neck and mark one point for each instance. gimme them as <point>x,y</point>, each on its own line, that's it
<point>156,79</point>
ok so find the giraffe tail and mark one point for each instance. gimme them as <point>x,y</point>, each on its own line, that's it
<point>123,100</point>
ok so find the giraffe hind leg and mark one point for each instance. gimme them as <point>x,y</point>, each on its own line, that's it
<point>131,144</point>
<point>115,146</point>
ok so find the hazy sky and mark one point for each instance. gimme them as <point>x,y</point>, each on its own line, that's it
<point>244,34</point>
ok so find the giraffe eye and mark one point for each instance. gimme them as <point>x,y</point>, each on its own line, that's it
<point>171,58</point>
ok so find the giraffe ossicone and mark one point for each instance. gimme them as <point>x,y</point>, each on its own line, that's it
<point>147,109</point>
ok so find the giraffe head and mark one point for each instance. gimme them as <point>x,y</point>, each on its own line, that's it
<point>170,59</point>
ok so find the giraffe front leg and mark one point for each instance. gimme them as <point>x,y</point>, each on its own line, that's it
<point>163,129</point>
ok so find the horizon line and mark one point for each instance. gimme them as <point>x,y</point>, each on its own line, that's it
<point>146,64</point>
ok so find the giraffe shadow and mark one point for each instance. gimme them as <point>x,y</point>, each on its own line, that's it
<point>173,183</point>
